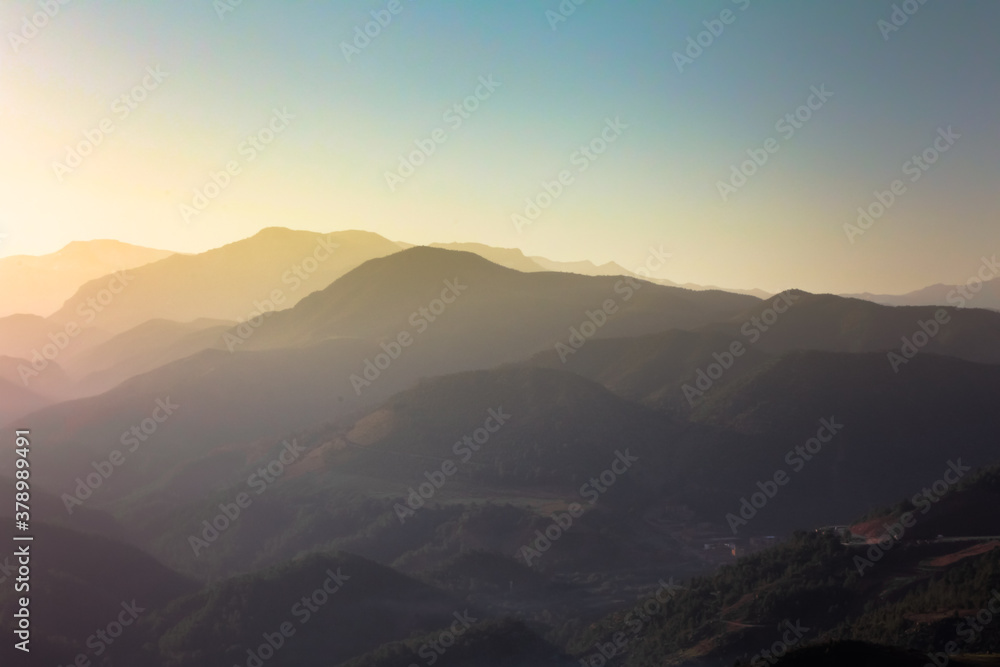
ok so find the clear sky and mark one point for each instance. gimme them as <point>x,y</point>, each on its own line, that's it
<point>681,129</point>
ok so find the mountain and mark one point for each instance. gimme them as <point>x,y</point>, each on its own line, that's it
<point>49,383</point>
<point>16,401</point>
<point>79,584</point>
<point>653,369</point>
<point>332,607</point>
<point>317,357</point>
<point>888,435</point>
<point>984,294</point>
<point>835,324</point>
<point>497,315</point>
<point>514,258</point>
<point>276,266</point>
<point>32,337</point>
<point>745,423</point>
<point>829,599</point>
<point>38,285</point>
<point>489,644</point>
<point>146,347</point>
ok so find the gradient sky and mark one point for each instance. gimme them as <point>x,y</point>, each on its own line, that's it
<point>655,186</point>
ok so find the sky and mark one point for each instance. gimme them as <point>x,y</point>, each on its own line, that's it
<point>629,121</point>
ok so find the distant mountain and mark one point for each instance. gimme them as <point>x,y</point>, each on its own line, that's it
<point>16,401</point>
<point>838,324</point>
<point>50,383</point>
<point>895,434</point>
<point>38,285</point>
<point>497,315</point>
<point>229,283</point>
<point>586,267</point>
<point>36,338</point>
<point>653,369</point>
<point>986,295</point>
<point>144,348</point>
<point>553,430</point>
<point>514,258</point>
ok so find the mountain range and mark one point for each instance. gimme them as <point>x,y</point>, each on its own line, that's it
<point>455,431</point>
